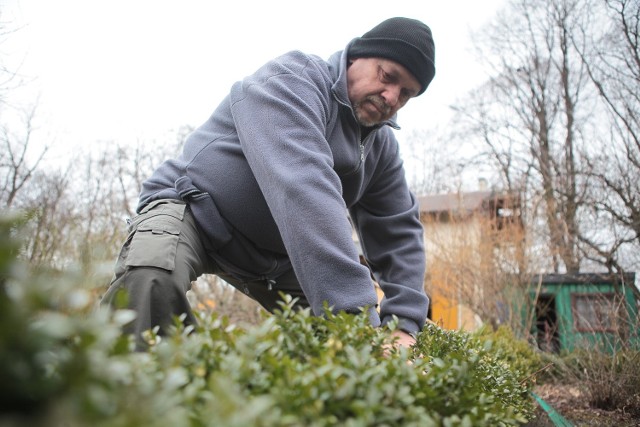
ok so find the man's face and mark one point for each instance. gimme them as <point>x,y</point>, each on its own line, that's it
<point>378,88</point>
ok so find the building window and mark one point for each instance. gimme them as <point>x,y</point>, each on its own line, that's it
<point>596,312</point>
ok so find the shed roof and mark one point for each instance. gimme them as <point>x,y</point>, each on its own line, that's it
<point>628,280</point>
<point>461,204</point>
<point>454,202</point>
<point>590,278</point>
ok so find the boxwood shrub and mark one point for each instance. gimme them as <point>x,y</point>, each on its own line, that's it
<point>63,362</point>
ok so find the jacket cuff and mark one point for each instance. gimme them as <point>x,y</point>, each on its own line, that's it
<point>374,317</point>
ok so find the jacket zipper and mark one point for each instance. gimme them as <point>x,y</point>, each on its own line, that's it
<point>361,143</point>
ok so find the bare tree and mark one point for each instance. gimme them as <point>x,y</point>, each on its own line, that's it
<point>19,156</point>
<point>105,184</point>
<point>532,117</point>
<point>9,78</point>
<point>77,213</point>
<point>611,57</point>
<point>46,202</point>
<point>431,166</point>
<point>16,168</point>
<point>135,162</point>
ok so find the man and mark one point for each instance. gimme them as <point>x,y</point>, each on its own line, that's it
<point>261,191</point>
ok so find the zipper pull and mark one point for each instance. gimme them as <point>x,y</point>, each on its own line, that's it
<point>361,153</point>
<point>270,283</point>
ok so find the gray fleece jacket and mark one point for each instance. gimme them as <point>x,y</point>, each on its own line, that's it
<point>270,177</point>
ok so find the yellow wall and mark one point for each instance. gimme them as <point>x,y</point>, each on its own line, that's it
<point>446,308</point>
<point>444,312</point>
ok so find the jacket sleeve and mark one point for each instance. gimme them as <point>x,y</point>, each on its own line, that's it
<point>280,115</point>
<point>391,234</point>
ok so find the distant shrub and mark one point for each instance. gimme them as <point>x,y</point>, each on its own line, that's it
<point>611,379</point>
<point>64,363</point>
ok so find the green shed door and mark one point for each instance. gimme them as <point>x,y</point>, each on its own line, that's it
<point>547,328</point>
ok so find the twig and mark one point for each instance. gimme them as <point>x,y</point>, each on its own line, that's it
<point>544,368</point>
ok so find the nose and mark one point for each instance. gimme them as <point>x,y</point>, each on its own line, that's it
<point>391,95</point>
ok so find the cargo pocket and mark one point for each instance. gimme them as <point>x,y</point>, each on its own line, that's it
<point>154,244</point>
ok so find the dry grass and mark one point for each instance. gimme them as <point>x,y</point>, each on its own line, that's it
<point>571,400</point>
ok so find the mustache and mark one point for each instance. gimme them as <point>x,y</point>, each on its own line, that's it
<point>380,104</point>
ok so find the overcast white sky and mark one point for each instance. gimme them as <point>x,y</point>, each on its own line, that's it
<point>129,69</point>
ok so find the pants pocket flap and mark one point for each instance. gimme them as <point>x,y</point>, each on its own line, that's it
<point>159,226</point>
<point>154,247</point>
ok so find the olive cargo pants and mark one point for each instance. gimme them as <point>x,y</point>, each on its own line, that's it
<point>162,255</point>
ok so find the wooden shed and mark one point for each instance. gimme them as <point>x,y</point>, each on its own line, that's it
<point>584,310</point>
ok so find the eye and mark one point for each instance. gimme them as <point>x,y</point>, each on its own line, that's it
<point>386,77</point>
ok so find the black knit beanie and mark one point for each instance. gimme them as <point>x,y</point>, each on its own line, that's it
<point>406,41</point>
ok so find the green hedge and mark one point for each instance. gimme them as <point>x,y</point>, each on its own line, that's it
<point>64,363</point>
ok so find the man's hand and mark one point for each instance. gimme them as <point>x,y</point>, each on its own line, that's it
<point>399,339</point>
<point>402,339</point>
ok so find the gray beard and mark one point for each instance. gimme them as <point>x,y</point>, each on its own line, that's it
<point>357,108</point>
<point>361,120</point>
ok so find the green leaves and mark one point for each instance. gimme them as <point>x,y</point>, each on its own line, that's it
<point>62,364</point>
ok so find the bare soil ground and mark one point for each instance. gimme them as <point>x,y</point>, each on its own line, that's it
<point>572,402</point>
